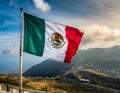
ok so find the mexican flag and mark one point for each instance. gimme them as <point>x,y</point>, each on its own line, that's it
<point>51,40</point>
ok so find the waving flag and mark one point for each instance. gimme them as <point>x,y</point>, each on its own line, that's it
<point>51,40</point>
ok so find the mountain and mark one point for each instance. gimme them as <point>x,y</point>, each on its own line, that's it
<point>106,60</point>
<point>70,82</point>
<point>48,68</point>
<point>94,77</point>
<point>9,63</point>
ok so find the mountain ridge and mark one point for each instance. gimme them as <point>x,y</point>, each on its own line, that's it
<point>70,82</point>
<point>99,59</point>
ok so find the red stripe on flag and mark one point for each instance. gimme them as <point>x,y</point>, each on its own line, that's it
<point>74,38</point>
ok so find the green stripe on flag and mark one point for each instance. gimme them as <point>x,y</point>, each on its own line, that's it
<point>34,35</point>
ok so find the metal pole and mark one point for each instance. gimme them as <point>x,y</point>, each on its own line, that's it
<point>21,47</point>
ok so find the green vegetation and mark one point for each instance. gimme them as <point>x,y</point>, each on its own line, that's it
<point>69,82</point>
<point>44,89</point>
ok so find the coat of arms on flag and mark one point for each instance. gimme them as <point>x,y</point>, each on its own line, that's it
<point>51,40</point>
<point>56,40</point>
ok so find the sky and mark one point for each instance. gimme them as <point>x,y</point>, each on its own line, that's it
<point>98,19</point>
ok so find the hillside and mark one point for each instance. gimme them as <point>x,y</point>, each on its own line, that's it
<point>48,68</point>
<point>104,60</point>
<point>69,82</point>
<point>95,78</point>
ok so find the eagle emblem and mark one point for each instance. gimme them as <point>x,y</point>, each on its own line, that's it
<point>56,40</point>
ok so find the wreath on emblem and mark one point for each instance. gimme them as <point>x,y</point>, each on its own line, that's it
<point>56,40</point>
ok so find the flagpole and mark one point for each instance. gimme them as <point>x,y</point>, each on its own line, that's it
<point>21,47</point>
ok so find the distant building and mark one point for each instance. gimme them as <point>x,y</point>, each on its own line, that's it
<point>84,80</point>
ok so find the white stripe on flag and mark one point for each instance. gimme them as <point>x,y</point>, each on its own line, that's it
<point>49,51</point>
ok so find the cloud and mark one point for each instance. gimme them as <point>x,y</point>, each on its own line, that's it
<point>13,3</point>
<point>82,12</point>
<point>105,12</point>
<point>96,36</point>
<point>99,36</point>
<point>8,23</point>
<point>96,12</point>
<point>43,6</point>
<point>12,49</point>
<point>9,42</point>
